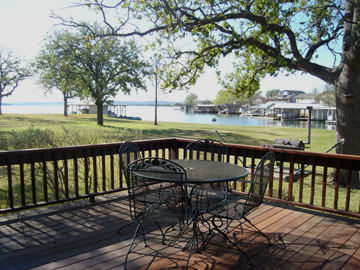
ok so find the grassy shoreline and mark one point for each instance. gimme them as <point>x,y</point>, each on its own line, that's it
<point>115,130</point>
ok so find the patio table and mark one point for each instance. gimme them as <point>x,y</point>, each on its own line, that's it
<point>199,172</point>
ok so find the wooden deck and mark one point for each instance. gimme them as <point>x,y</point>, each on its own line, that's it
<point>87,237</point>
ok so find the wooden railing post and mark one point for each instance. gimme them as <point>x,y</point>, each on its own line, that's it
<point>173,153</point>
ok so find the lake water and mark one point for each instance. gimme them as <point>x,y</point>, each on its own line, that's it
<point>171,114</point>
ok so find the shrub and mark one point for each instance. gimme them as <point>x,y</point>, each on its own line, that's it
<point>31,138</point>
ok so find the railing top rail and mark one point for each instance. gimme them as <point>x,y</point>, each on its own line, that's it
<point>307,157</point>
<point>298,156</point>
<point>47,154</point>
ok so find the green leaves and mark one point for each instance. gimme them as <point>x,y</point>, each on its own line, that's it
<point>12,72</point>
<point>80,64</point>
<point>266,36</point>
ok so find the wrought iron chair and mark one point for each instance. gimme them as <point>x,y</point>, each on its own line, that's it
<point>206,149</point>
<point>158,200</point>
<point>206,195</point>
<point>236,207</point>
<point>128,152</point>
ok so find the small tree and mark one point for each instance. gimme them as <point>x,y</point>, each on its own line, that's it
<point>56,71</point>
<point>106,66</point>
<point>94,68</point>
<point>11,74</point>
<point>227,97</point>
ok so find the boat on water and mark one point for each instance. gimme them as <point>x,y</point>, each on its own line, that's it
<point>130,117</point>
<point>112,114</point>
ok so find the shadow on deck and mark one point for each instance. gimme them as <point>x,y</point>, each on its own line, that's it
<point>87,236</point>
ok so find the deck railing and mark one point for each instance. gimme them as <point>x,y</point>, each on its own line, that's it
<point>38,177</point>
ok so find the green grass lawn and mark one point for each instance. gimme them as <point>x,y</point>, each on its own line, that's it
<point>115,130</point>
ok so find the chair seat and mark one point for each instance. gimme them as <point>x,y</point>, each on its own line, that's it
<point>160,199</point>
<point>232,207</point>
<point>216,202</point>
<point>233,210</point>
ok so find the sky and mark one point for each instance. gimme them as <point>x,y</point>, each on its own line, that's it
<point>24,24</point>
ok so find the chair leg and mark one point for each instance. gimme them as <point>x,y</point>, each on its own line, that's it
<point>139,226</point>
<point>131,245</point>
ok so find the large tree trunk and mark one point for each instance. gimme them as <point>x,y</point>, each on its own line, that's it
<point>348,90</point>
<point>65,106</point>
<point>348,113</point>
<point>0,105</point>
<point>100,116</point>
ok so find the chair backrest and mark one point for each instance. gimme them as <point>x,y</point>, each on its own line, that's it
<point>128,152</point>
<point>206,149</point>
<point>259,182</point>
<point>148,184</point>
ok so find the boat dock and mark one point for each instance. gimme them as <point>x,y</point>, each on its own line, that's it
<point>111,110</point>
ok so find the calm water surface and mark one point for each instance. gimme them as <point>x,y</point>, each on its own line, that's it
<point>176,115</point>
<point>171,114</point>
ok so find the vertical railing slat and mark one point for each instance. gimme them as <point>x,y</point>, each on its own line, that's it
<point>121,173</point>
<point>95,174</point>
<point>45,179</point>
<point>291,179</point>
<point>244,164</point>
<point>22,184</point>
<point>324,185</point>
<point>252,167</point>
<point>10,186</point>
<point>33,182</point>
<point>271,187</point>
<point>76,176</point>
<point>312,185</point>
<point>66,178</point>
<point>301,182</point>
<point>103,166</point>
<point>112,172</point>
<point>337,184</point>
<point>86,174</point>
<point>281,175</point>
<point>174,153</point>
<point>56,179</point>
<point>348,191</point>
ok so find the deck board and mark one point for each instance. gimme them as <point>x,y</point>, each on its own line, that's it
<point>97,236</point>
